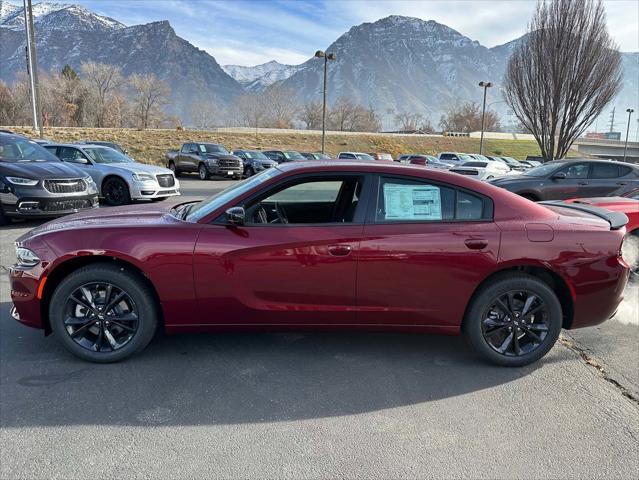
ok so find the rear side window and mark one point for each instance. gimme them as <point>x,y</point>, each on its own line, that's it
<point>448,156</point>
<point>623,171</point>
<point>604,170</point>
<point>404,200</point>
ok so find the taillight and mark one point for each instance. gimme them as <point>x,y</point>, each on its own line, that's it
<point>630,250</point>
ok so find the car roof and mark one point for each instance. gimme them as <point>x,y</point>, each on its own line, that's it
<point>76,145</point>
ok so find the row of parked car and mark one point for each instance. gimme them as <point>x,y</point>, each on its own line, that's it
<point>47,179</point>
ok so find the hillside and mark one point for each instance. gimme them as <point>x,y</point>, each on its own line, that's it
<point>149,146</point>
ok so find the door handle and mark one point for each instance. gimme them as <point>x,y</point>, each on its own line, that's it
<point>622,183</point>
<point>582,183</point>
<point>476,243</point>
<point>339,250</point>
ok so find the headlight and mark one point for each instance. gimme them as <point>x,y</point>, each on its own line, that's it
<point>212,161</point>
<point>143,177</point>
<point>26,258</point>
<point>89,181</point>
<point>22,181</point>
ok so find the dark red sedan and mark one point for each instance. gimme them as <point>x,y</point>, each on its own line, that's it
<point>326,245</point>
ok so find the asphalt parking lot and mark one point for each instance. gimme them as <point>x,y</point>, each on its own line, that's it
<point>307,405</point>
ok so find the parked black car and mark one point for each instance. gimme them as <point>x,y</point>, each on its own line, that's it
<point>563,179</point>
<point>34,183</point>
<point>281,156</point>
<point>254,161</point>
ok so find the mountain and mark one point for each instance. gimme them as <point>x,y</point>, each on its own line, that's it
<point>71,34</point>
<point>406,64</point>
<point>258,77</point>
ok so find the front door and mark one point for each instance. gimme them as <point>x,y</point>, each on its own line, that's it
<point>293,262</point>
<point>425,248</point>
<point>576,183</point>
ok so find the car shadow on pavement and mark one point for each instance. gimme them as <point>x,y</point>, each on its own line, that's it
<point>235,378</point>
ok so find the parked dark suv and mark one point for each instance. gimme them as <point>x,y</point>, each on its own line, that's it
<point>563,179</point>
<point>34,183</point>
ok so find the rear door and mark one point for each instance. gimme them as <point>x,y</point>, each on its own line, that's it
<point>294,261</point>
<point>425,248</point>
<point>608,178</point>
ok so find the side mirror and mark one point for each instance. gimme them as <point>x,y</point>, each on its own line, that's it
<point>559,176</point>
<point>235,215</point>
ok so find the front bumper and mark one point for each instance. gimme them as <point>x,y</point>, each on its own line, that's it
<point>50,206</point>
<point>225,171</point>
<point>25,284</point>
<point>152,189</point>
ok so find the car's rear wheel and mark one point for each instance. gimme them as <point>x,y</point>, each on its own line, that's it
<point>514,320</point>
<point>116,192</point>
<point>103,313</point>
<point>203,172</point>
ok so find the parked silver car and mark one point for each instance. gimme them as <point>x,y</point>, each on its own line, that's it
<point>119,178</point>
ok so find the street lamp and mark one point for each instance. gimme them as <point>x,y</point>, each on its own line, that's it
<point>326,57</point>
<point>625,146</point>
<point>485,86</point>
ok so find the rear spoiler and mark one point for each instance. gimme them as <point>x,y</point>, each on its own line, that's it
<point>616,219</point>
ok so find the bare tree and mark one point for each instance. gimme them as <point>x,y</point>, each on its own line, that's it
<point>561,78</point>
<point>203,113</point>
<point>150,95</point>
<point>341,114</point>
<point>280,105</point>
<point>408,121</point>
<point>467,118</point>
<point>251,110</point>
<point>311,115</point>
<point>101,81</point>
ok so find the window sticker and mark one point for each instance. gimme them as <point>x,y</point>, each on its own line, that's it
<point>202,148</point>
<point>412,202</point>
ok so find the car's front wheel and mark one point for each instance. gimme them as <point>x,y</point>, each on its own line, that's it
<point>249,172</point>
<point>116,192</point>
<point>203,172</point>
<point>514,320</point>
<point>103,313</point>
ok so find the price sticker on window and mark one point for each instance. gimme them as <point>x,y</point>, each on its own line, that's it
<point>412,202</point>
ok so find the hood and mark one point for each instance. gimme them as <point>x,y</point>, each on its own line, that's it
<point>222,156</point>
<point>136,168</point>
<point>127,216</point>
<point>512,178</point>
<point>41,170</point>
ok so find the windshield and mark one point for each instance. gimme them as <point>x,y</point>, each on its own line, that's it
<point>364,156</point>
<point>510,161</point>
<point>543,170</point>
<point>106,155</point>
<point>212,148</point>
<point>292,155</point>
<point>208,205</point>
<point>255,155</point>
<point>17,149</point>
<point>463,157</point>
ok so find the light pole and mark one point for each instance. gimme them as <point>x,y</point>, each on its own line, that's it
<point>485,86</point>
<point>32,66</point>
<point>625,146</point>
<point>327,57</point>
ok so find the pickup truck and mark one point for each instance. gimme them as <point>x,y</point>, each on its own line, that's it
<point>207,159</point>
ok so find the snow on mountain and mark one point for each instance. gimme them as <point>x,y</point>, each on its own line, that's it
<point>56,16</point>
<point>259,77</point>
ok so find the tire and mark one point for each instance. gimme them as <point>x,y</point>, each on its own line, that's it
<point>116,192</point>
<point>202,172</point>
<point>489,327</point>
<point>4,220</point>
<point>138,294</point>
<point>174,169</point>
<point>249,172</point>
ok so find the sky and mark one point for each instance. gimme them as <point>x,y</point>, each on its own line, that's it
<point>250,32</point>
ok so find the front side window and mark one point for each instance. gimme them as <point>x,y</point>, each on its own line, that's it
<point>70,154</point>
<point>403,200</point>
<point>315,201</point>
<point>577,170</point>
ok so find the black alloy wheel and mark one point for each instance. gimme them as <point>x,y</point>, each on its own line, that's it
<point>515,323</point>
<point>100,317</point>
<point>513,320</point>
<point>103,312</point>
<point>249,172</point>
<point>116,192</point>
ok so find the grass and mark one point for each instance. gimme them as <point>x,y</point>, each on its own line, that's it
<point>149,146</point>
